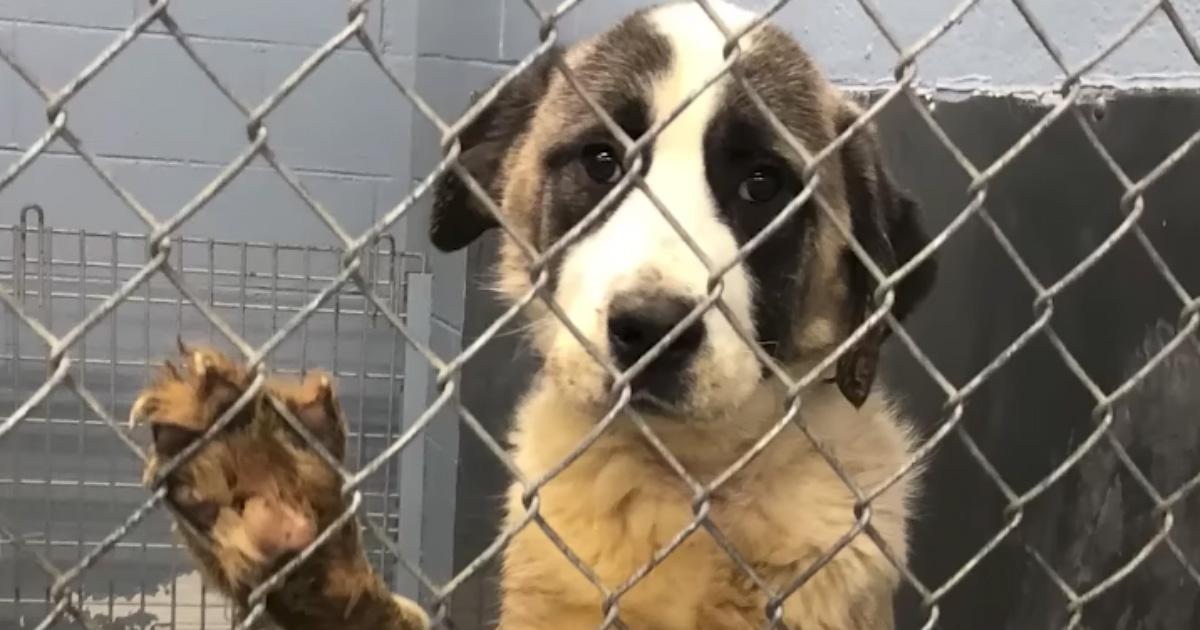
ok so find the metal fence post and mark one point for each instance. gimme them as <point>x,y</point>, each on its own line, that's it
<point>417,382</point>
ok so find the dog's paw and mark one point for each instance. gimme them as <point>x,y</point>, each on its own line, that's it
<point>186,397</point>
<point>257,493</point>
<point>410,614</point>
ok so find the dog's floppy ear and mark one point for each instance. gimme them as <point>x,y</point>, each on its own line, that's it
<point>888,225</point>
<point>458,216</point>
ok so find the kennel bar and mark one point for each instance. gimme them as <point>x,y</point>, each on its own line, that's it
<point>66,481</point>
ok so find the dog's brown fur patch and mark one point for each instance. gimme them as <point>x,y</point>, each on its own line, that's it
<point>257,495</point>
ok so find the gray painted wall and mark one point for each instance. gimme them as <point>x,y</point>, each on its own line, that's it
<point>164,131</point>
<point>991,49</point>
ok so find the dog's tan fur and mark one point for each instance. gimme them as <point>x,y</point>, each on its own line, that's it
<point>619,503</point>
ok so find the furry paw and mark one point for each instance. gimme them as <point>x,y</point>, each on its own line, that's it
<point>257,492</point>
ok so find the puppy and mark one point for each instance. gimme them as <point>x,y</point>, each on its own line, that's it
<point>627,281</point>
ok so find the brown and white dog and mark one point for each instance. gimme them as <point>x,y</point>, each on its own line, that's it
<point>629,279</point>
<point>626,282</point>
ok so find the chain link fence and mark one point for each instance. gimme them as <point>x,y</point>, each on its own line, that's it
<point>65,476</point>
<point>65,353</point>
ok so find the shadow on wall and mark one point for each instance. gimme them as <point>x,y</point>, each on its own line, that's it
<point>1056,202</point>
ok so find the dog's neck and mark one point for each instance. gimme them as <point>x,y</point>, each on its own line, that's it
<point>705,446</point>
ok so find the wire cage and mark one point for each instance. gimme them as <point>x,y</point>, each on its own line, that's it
<point>67,482</point>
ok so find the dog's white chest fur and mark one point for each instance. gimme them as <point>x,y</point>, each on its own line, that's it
<point>619,504</point>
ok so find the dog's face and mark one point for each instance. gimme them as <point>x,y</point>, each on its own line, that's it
<point>628,279</point>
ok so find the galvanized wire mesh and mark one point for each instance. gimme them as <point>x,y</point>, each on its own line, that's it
<point>65,479</point>
<point>63,349</point>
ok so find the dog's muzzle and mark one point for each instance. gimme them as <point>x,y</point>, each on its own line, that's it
<point>636,323</point>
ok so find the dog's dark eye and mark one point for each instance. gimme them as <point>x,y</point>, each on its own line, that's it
<point>601,163</point>
<point>761,185</point>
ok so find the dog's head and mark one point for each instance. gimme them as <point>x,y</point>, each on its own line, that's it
<point>723,174</point>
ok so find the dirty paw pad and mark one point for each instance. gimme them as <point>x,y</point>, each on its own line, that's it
<point>256,493</point>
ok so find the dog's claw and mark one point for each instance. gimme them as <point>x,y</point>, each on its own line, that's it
<point>199,365</point>
<point>138,412</point>
<point>171,369</point>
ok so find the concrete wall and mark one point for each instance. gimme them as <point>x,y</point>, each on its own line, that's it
<point>164,130</point>
<point>992,48</point>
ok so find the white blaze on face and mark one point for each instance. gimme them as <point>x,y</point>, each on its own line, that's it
<point>637,249</point>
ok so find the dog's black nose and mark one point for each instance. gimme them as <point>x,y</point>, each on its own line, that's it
<point>637,323</point>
